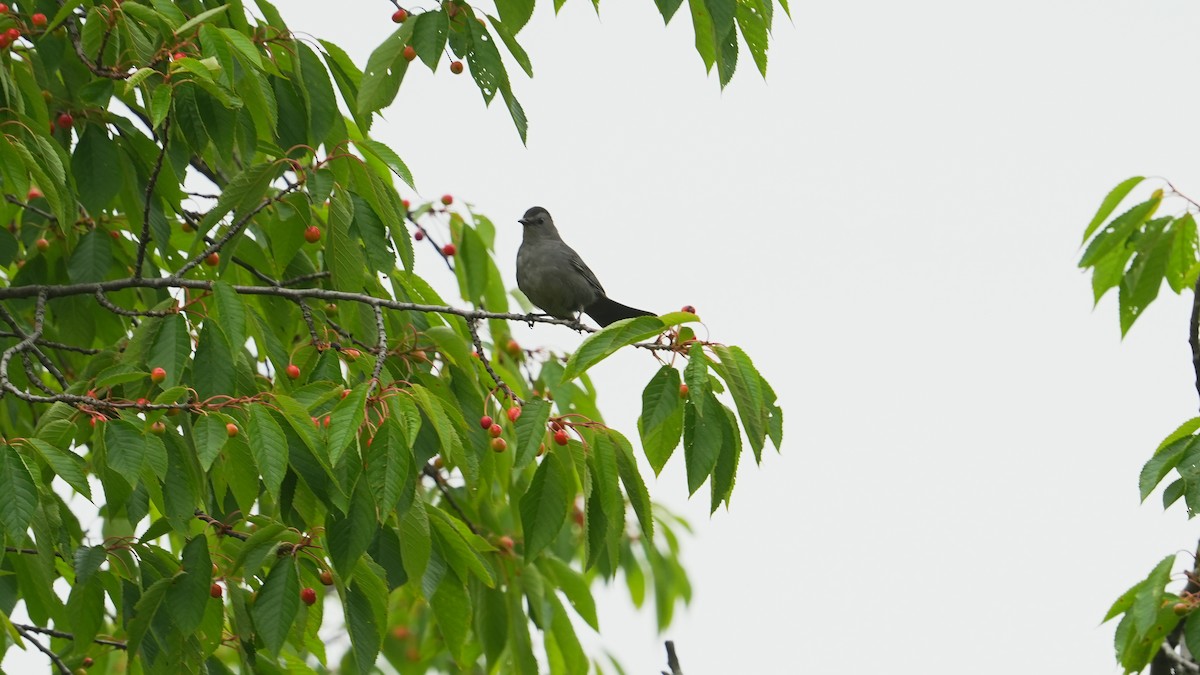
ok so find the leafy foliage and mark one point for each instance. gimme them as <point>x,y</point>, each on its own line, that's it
<point>267,406</point>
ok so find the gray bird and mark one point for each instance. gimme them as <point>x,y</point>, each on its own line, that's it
<point>553,277</point>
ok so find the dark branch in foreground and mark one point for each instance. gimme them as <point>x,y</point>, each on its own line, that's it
<point>1194,334</point>
<point>67,636</point>
<point>672,660</point>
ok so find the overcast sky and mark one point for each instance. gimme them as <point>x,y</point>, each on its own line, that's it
<point>889,225</point>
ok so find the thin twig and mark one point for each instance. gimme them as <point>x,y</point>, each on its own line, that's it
<point>488,364</point>
<point>672,660</point>
<point>108,304</point>
<point>234,229</point>
<point>223,529</point>
<point>440,480</point>
<point>381,348</point>
<point>144,238</point>
<point>67,636</point>
<point>58,662</point>
<point>30,207</point>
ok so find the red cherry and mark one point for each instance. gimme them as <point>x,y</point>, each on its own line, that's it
<point>215,590</point>
<point>352,354</point>
<point>345,393</point>
<point>325,422</point>
<point>401,632</point>
<point>142,403</point>
<point>513,413</point>
<point>513,348</point>
<point>231,429</point>
<point>449,249</point>
<point>485,422</point>
<point>3,8</point>
<point>561,437</point>
<point>158,375</point>
<point>178,55</point>
<point>399,16</point>
<point>447,200</point>
<point>88,662</point>
<point>419,356</point>
<point>38,19</point>
<point>158,428</point>
<point>505,543</point>
<point>34,193</point>
<point>683,391</point>
<point>13,34</point>
<point>308,596</point>
<point>326,577</point>
<point>689,309</point>
<point>65,121</point>
<point>41,244</point>
<point>456,67</point>
<point>213,259</point>
<point>499,444</point>
<point>4,42</point>
<point>114,234</point>
<point>418,235</point>
<point>312,234</point>
<point>409,53</point>
<point>495,430</point>
<point>293,371</point>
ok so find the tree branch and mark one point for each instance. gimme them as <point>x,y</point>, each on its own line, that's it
<point>1194,334</point>
<point>58,662</point>
<point>67,636</point>
<point>440,480</point>
<point>144,238</point>
<point>672,660</point>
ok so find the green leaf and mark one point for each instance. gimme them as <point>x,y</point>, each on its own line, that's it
<point>344,257</point>
<point>200,18</point>
<point>530,430</point>
<point>350,535</point>
<point>188,596</point>
<point>1184,252</point>
<point>515,13</point>
<point>1161,464</point>
<point>126,449</point>
<point>91,259</point>
<point>1148,599</point>
<point>606,341</point>
<point>365,607</point>
<point>1110,203</point>
<point>745,384</point>
<point>388,156</point>
<point>514,48</point>
<point>1117,232</point>
<point>67,465</point>
<point>635,488</point>
<point>702,438</point>
<point>667,8</point>
<point>754,31</point>
<point>725,472</point>
<point>244,193</point>
<point>487,68</point>
<point>345,420</point>
<point>384,72</point>
<point>172,347</point>
<point>661,423</point>
<point>20,494</point>
<point>1141,283</point>
<point>429,37</point>
<point>212,369</point>
<point>277,603</point>
<point>452,610</point>
<point>209,434</point>
<point>269,447</point>
<point>562,637</point>
<point>545,504</point>
<point>95,167</point>
<point>574,586</point>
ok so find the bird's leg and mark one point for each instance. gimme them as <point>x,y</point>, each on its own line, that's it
<point>531,317</point>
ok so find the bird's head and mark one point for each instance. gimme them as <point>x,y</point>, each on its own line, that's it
<point>536,216</point>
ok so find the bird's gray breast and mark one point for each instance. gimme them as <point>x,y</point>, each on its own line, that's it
<point>547,275</point>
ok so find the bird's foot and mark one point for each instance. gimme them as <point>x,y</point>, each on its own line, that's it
<point>532,318</point>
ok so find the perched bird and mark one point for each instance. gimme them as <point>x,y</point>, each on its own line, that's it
<point>553,276</point>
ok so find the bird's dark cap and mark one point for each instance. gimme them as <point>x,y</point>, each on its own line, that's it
<point>532,215</point>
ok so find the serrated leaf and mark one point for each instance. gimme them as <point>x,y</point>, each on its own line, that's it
<point>67,465</point>
<point>20,494</point>
<point>351,534</point>
<point>606,341</point>
<point>1110,203</point>
<point>91,258</point>
<point>530,430</point>
<point>126,449</point>
<point>1117,232</point>
<point>269,447</point>
<point>365,606</point>
<point>188,595</point>
<point>702,438</point>
<point>388,156</point>
<point>661,422</point>
<point>277,603</point>
<point>452,610</point>
<point>545,504</point>
<point>635,488</point>
<point>345,258</point>
<point>200,18</point>
<point>1148,599</point>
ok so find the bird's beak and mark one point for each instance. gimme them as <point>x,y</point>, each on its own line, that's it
<point>524,221</point>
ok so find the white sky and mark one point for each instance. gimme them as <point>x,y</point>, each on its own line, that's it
<point>889,226</point>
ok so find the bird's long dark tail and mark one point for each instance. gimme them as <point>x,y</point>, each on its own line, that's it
<point>605,311</point>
